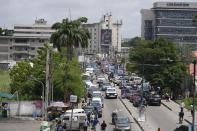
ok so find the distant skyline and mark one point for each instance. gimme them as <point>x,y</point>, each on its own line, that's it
<point>26,11</point>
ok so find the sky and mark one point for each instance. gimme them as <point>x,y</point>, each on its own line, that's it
<point>26,11</point>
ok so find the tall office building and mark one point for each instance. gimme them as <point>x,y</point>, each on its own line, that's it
<point>170,20</point>
<point>105,36</point>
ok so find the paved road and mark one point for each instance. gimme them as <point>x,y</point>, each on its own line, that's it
<point>19,125</point>
<point>162,117</point>
<point>159,117</point>
<point>111,105</point>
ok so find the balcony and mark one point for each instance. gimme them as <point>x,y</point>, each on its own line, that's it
<point>20,51</point>
<point>20,44</point>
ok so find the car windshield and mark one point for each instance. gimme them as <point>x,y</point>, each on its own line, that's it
<point>122,120</point>
<point>107,84</point>
<point>97,95</point>
<point>97,105</point>
<point>110,90</point>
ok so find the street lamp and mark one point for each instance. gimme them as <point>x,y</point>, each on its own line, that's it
<point>43,105</point>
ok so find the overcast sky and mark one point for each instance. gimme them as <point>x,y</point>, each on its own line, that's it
<point>26,11</point>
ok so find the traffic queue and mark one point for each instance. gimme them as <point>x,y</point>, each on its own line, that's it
<point>101,82</point>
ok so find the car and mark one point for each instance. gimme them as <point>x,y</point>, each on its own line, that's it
<point>122,123</point>
<point>137,102</point>
<point>98,108</point>
<point>134,95</point>
<point>105,85</point>
<point>91,89</point>
<point>100,79</point>
<point>88,109</point>
<point>98,100</point>
<point>135,80</point>
<point>111,93</point>
<point>154,99</point>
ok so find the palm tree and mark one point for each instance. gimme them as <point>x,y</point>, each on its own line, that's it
<point>70,34</point>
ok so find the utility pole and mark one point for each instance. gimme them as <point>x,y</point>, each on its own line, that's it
<point>194,92</point>
<point>47,82</point>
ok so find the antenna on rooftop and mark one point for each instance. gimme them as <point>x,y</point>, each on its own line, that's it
<point>69,14</point>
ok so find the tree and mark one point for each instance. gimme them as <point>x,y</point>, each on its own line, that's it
<point>70,34</point>
<point>159,63</point>
<point>131,42</point>
<point>66,76</point>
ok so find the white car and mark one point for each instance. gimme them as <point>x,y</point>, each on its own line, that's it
<point>97,100</point>
<point>111,93</point>
<point>100,79</point>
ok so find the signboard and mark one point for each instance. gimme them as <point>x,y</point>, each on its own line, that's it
<point>73,98</point>
<point>106,36</point>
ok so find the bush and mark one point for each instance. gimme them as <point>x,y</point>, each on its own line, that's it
<point>188,103</point>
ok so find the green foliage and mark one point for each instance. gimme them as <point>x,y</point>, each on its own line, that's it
<point>70,34</point>
<point>131,42</point>
<point>66,76</point>
<point>160,64</point>
<point>19,80</point>
<point>188,102</point>
<point>5,81</point>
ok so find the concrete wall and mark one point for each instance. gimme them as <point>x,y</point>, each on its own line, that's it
<point>26,108</point>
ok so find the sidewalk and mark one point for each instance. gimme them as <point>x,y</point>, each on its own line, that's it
<point>174,107</point>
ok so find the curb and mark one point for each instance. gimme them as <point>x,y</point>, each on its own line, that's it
<point>132,115</point>
<point>172,110</point>
<point>166,106</point>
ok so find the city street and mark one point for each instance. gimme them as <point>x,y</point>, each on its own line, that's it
<point>111,105</point>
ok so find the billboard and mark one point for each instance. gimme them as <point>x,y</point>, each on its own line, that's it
<point>106,36</point>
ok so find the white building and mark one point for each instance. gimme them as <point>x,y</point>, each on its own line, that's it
<point>105,36</point>
<point>24,41</point>
<point>27,39</point>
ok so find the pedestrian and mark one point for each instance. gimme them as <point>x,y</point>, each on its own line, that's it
<point>94,124</point>
<point>167,97</point>
<point>192,112</point>
<point>59,126</point>
<point>103,126</point>
<point>92,117</point>
<point>88,116</point>
<point>85,125</point>
<point>181,115</point>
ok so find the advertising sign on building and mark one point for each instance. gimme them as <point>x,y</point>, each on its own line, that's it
<point>106,36</point>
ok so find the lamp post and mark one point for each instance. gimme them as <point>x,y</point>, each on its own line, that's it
<point>43,105</point>
<point>194,87</point>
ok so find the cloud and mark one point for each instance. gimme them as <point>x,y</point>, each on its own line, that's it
<point>26,11</point>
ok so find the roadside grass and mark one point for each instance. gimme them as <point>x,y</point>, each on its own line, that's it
<point>188,102</point>
<point>4,81</point>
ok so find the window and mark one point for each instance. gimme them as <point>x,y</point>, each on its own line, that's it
<point>32,48</point>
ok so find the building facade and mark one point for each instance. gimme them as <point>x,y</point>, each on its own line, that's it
<point>105,36</point>
<point>170,20</point>
<point>25,41</point>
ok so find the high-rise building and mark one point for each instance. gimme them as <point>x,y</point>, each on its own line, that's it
<point>105,36</point>
<point>170,20</point>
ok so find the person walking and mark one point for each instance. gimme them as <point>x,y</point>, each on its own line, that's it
<point>103,126</point>
<point>181,115</point>
<point>94,124</point>
<point>85,125</point>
